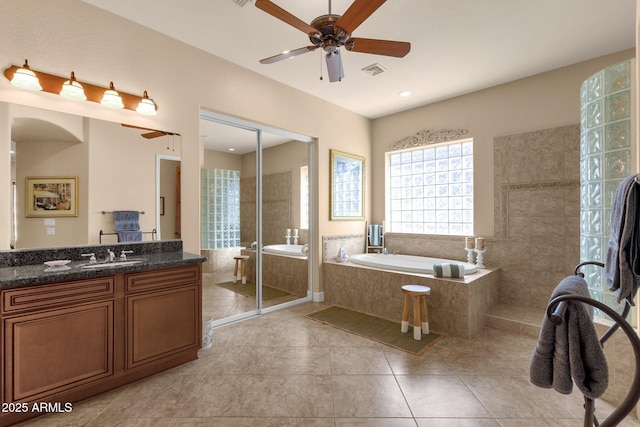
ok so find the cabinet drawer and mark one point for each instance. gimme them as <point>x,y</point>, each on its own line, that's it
<point>51,295</point>
<point>137,282</point>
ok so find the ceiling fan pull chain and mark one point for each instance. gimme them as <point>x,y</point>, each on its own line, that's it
<point>321,63</point>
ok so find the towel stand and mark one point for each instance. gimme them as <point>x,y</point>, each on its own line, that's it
<point>555,312</point>
<point>153,233</point>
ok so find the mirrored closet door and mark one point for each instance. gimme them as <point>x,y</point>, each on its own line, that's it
<point>255,218</point>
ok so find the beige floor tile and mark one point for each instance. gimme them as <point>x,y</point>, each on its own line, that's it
<point>375,422</point>
<point>369,396</point>
<point>305,396</point>
<point>359,360</point>
<point>456,422</point>
<point>440,396</point>
<point>301,360</point>
<point>516,397</point>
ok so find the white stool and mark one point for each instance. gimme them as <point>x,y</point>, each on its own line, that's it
<point>420,316</point>
<point>243,266</point>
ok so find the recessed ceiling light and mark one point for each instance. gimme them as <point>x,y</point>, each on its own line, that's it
<point>405,93</point>
<point>232,149</point>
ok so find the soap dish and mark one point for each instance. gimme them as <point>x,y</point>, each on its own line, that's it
<point>58,263</point>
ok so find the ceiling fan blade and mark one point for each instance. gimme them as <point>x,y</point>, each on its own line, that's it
<point>378,47</point>
<point>287,54</point>
<point>155,134</point>
<point>334,66</point>
<point>278,12</point>
<point>357,13</point>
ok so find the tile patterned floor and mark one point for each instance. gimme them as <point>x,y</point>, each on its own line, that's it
<point>283,369</point>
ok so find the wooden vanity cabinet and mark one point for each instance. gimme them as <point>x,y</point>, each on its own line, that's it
<point>163,314</point>
<point>64,342</point>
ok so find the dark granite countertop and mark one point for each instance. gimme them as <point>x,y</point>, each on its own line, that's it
<point>26,267</point>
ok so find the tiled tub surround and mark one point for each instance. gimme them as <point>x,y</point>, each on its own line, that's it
<point>25,266</point>
<point>287,273</point>
<point>456,306</point>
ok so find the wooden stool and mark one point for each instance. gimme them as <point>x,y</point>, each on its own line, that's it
<point>243,261</point>
<point>420,317</point>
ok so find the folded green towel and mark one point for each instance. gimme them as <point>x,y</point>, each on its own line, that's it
<point>448,270</point>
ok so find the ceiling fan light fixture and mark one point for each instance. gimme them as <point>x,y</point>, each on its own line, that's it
<point>146,106</point>
<point>111,98</point>
<point>24,78</point>
<point>71,89</point>
<point>334,66</point>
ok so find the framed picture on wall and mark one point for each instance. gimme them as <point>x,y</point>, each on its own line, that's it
<point>53,196</point>
<point>347,186</point>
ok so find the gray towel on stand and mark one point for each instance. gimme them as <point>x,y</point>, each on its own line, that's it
<point>571,349</point>
<point>622,266</point>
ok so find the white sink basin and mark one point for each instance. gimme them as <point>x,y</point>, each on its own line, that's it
<point>113,264</point>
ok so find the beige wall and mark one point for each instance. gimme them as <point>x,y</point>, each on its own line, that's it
<point>539,102</point>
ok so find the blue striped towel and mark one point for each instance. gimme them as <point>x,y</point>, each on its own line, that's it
<point>448,270</point>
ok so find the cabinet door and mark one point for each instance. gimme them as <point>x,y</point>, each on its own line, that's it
<point>162,323</point>
<point>51,351</point>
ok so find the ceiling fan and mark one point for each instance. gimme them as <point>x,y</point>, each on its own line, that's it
<point>150,135</point>
<point>331,32</point>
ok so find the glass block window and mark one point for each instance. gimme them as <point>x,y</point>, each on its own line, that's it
<point>431,189</point>
<point>220,201</point>
<point>605,160</point>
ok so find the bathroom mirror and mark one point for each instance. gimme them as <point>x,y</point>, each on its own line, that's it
<point>347,186</point>
<point>115,167</point>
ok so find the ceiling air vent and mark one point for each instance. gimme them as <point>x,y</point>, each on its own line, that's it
<point>241,2</point>
<point>374,69</point>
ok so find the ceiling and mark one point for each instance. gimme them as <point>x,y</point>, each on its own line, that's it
<point>457,47</point>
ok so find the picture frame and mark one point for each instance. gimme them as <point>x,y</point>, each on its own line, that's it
<point>347,176</point>
<point>53,196</point>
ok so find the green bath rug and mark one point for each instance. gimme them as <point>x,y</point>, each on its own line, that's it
<point>374,328</point>
<point>249,290</point>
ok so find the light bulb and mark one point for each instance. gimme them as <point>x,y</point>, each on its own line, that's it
<point>146,106</point>
<point>111,98</point>
<point>24,78</point>
<point>71,89</point>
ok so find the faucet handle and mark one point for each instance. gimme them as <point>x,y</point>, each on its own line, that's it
<point>92,258</point>
<point>123,254</point>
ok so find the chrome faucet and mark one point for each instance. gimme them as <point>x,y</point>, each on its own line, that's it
<point>110,255</point>
<point>92,259</point>
<point>123,254</point>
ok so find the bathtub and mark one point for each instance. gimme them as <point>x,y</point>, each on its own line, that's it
<point>291,250</point>
<point>406,263</point>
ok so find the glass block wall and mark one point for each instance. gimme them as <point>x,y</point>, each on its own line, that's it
<point>220,204</point>
<point>605,159</point>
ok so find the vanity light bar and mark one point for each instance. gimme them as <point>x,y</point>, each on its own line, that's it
<point>53,84</point>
